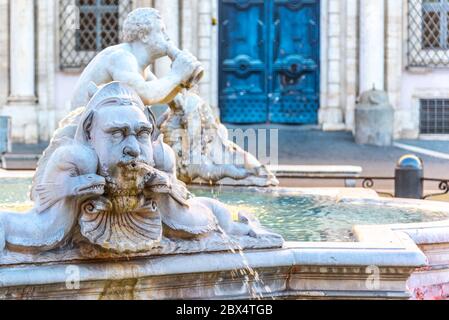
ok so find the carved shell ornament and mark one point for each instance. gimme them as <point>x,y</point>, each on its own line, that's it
<point>122,219</point>
<point>132,231</point>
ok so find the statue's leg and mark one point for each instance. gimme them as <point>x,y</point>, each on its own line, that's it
<point>224,217</point>
<point>217,172</point>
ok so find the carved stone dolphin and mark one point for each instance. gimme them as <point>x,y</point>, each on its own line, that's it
<point>184,216</point>
<point>69,178</point>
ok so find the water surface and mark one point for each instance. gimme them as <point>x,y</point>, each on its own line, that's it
<point>316,218</point>
<point>296,217</point>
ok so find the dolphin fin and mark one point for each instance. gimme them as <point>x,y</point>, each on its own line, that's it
<point>48,194</point>
<point>179,193</point>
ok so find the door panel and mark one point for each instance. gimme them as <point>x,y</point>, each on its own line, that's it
<point>269,61</point>
<point>294,87</point>
<point>243,94</point>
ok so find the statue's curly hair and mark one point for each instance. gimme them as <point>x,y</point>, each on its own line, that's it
<point>139,20</point>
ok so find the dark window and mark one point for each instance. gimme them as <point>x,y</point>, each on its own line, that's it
<point>87,27</point>
<point>431,30</point>
<point>428,33</point>
<point>434,116</point>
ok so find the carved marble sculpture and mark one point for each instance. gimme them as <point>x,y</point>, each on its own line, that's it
<point>145,40</point>
<point>196,216</point>
<point>69,178</point>
<point>112,186</point>
<point>204,152</point>
<point>108,183</point>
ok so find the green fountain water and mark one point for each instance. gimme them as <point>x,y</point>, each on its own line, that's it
<point>296,217</point>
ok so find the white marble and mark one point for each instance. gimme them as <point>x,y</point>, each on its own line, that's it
<point>204,152</point>
<point>69,178</point>
<point>372,45</point>
<point>339,69</point>
<point>104,181</point>
<point>315,170</point>
<point>139,185</point>
<point>300,270</point>
<point>430,282</point>
<point>145,41</point>
<point>406,260</point>
<point>22,49</point>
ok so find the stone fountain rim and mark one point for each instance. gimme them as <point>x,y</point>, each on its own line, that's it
<point>384,246</point>
<point>402,253</point>
<point>347,195</point>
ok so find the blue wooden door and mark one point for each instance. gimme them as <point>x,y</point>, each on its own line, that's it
<point>243,61</point>
<point>269,61</point>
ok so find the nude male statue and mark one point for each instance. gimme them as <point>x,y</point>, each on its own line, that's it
<point>145,40</point>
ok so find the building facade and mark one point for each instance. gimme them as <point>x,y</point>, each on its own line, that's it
<point>273,61</point>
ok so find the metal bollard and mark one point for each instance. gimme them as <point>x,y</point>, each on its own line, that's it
<point>408,181</point>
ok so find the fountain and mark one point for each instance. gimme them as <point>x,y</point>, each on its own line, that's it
<point>112,217</point>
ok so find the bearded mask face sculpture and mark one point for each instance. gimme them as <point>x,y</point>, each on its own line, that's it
<point>117,126</point>
<point>121,136</point>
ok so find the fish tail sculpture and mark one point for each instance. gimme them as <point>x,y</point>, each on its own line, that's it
<point>206,154</point>
<point>190,217</point>
<point>197,217</point>
<point>246,225</point>
<point>69,177</point>
<point>176,214</point>
<point>224,218</point>
<point>212,172</point>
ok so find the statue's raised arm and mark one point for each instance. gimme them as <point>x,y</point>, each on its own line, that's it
<point>145,40</point>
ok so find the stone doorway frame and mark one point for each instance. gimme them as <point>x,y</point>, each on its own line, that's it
<point>337,76</point>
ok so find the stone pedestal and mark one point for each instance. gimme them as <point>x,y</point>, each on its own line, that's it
<point>374,119</point>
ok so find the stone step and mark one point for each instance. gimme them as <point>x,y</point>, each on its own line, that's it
<point>17,161</point>
<point>317,171</point>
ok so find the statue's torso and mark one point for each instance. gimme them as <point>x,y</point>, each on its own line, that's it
<point>100,71</point>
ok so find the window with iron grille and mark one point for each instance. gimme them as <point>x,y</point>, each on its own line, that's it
<point>434,116</point>
<point>87,27</point>
<point>428,33</point>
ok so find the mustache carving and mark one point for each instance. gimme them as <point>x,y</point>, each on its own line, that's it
<point>127,176</point>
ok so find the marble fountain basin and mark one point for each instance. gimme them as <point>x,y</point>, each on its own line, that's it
<point>340,243</point>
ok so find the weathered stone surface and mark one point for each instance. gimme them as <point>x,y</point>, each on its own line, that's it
<point>107,180</point>
<point>128,62</point>
<point>204,152</point>
<point>378,267</point>
<point>69,177</point>
<point>374,119</point>
<point>302,271</point>
<point>82,250</point>
<point>430,282</point>
<point>104,177</point>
